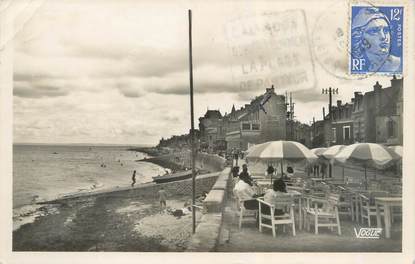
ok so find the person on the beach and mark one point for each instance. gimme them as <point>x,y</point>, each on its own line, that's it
<point>162,198</point>
<point>133,178</point>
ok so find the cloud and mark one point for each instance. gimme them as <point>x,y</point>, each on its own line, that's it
<point>38,91</point>
<point>304,96</point>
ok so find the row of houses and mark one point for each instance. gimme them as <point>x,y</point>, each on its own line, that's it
<point>375,116</point>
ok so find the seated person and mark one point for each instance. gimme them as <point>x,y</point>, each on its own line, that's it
<point>271,196</point>
<point>270,171</point>
<point>290,172</point>
<point>244,175</point>
<point>245,192</point>
<point>235,171</point>
<point>178,213</point>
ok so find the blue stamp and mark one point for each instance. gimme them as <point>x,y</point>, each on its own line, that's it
<point>376,40</point>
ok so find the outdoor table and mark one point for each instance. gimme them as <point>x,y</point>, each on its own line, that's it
<point>387,203</point>
<point>317,180</point>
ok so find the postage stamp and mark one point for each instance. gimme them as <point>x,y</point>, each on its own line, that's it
<point>376,39</point>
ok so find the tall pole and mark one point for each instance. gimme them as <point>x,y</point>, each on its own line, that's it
<point>330,92</point>
<point>192,131</point>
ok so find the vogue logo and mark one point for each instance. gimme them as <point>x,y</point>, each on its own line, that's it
<point>370,233</point>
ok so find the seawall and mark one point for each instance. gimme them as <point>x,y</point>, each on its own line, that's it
<point>209,230</point>
<point>204,182</point>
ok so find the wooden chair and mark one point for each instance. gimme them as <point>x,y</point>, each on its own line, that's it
<point>345,205</point>
<point>286,219</point>
<point>368,207</point>
<point>326,216</point>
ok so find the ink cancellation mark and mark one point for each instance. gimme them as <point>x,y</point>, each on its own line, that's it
<point>271,49</point>
<point>376,39</point>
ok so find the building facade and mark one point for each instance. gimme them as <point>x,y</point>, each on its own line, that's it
<point>376,116</point>
<point>256,122</point>
<point>212,131</point>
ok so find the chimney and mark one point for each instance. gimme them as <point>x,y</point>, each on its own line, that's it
<point>270,89</point>
<point>324,113</point>
<point>377,87</point>
<point>396,83</point>
<point>339,103</point>
<point>352,100</point>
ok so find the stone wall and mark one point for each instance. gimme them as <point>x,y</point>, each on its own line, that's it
<point>204,161</point>
<point>208,231</point>
<point>204,183</point>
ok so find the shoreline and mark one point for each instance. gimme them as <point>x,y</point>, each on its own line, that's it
<point>167,164</point>
<point>125,224</point>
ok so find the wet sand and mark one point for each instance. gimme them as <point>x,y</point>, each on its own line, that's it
<point>107,224</point>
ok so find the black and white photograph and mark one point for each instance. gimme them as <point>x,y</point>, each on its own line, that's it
<point>207,126</point>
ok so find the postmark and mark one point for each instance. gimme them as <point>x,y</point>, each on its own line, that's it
<point>329,38</point>
<point>271,49</point>
<point>376,39</point>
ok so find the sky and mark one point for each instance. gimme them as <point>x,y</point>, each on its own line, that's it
<point>117,72</point>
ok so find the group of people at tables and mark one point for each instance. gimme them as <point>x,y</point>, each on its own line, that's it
<point>245,191</point>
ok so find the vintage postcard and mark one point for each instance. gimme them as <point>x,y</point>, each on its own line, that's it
<point>220,131</point>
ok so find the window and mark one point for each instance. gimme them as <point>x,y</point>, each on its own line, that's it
<point>346,133</point>
<point>246,126</point>
<point>255,127</point>
<point>333,135</point>
<point>391,128</point>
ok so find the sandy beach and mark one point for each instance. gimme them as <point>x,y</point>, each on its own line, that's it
<point>107,224</point>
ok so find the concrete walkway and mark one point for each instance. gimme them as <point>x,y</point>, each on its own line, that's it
<point>249,239</point>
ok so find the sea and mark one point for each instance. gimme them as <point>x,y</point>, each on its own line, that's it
<point>46,172</point>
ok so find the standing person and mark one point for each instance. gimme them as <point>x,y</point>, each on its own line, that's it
<point>162,198</point>
<point>133,178</point>
<point>323,170</point>
<point>270,171</point>
<point>235,156</point>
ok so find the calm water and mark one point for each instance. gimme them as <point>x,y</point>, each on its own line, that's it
<point>44,172</point>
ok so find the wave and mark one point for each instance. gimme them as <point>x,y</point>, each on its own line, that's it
<point>29,213</point>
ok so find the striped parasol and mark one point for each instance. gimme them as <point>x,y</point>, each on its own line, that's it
<point>398,150</point>
<point>368,155</point>
<point>278,151</point>
<point>250,149</point>
<point>332,151</point>
<point>318,151</point>
<point>273,151</point>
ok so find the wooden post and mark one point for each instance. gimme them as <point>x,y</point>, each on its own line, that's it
<point>192,130</point>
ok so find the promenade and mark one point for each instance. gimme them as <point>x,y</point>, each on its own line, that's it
<point>249,239</point>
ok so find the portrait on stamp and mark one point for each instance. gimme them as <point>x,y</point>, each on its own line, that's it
<point>376,39</point>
